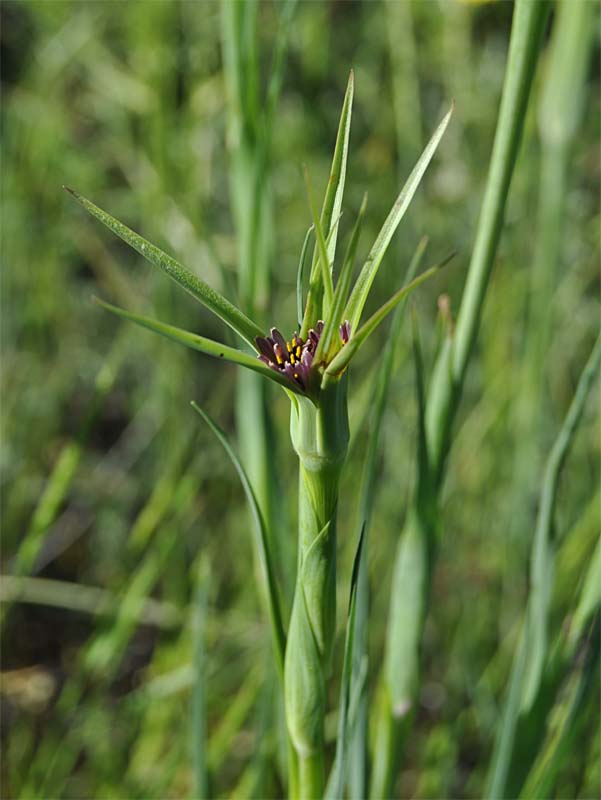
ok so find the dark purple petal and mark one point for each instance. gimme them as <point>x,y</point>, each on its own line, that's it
<point>280,353</point>
<point>265,347</point>
<point>278,338</point>
<point>303,375</point>
<point>268,361</point>
<point>294,373</point>
<point>345,331</point>
<point>307,357</point>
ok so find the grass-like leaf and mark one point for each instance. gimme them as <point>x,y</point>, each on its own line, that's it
<point>529,660</point>
<point>590,598</point>
<point>334,319</point>
<point>322,247</point>
<point>335,787</point>
<point>200,290</point>
<point>203,345</point>
<point>332,206</point>
<point>567,719</point>
<point>374,259</point>
<point>543,550</point>
<point>261,543</point>
<point>198,721</point>
<point>343,358</point>
<point>300,276</point>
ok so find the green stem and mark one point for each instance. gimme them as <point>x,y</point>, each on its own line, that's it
<point>320,437</point>
<point>311,777</point>
<point>528,24</point>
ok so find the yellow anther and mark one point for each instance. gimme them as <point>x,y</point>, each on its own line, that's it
<point>292,359</point>
<point>280,359</point>
<point>298,351</point>
<point>294,341</point>
<point>289,347</point>
<point>296,374</point>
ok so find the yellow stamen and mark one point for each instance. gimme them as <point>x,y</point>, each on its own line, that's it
<point>280,359</point>
<point>292,359</point>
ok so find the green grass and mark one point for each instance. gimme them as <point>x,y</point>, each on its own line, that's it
<point>139,625</point>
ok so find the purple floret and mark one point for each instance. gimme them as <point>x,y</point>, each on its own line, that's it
<point>294,358</point>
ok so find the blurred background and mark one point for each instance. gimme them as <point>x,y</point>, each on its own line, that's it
<point>126,541</point>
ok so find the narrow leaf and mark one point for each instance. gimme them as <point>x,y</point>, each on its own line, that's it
<point>300,276</point>
<point>332,204</point>
<point>354,343</point>
<point>198,726</point>
<point>335,787</point>
<point>261,543</point>
<point>334,319</point>
<point>590,597</point>
<point>543,550</point>
<point>529,660</point>
<point>207,346</point>
<point>200,290</point>
<point>374,259</point>
<point>423,461</point>
<point>326,274</point>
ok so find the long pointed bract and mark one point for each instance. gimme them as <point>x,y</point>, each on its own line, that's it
<point>262,544</point>
<point>200,290</point>
<point>377,252</point>
<point>331,209</point>
<point>203,345</point>
<point>335,318</point>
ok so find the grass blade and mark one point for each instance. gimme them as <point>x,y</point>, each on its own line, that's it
<point>200,290</point>
<point>566,721</point>
<point>198,722</point>
<point>334,319</point>
<point>332,205</point>
<point>261,543</point>
<point>590,598</point>
<point>445,389</point>
<point>335,787</point>
<point>322,247</point>
<point>529,661</point>
<point>300,276</point>
<point>543,550</point>
<point>200,343</point>
<point>378,250</point>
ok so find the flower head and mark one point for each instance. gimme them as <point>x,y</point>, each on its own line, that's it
<point>295,357</point>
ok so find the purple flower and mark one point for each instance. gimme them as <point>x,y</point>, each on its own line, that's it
<point>295,357</point>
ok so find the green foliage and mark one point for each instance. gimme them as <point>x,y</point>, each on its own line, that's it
<point>138,656</point>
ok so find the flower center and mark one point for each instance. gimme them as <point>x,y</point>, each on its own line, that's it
<point>295,357</point>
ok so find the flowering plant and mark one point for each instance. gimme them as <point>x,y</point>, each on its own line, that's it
<point>311,367</point>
